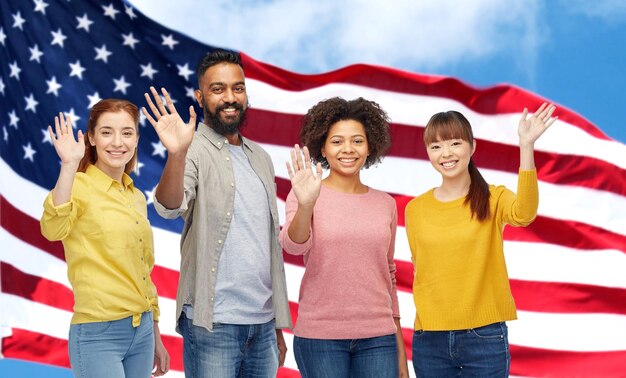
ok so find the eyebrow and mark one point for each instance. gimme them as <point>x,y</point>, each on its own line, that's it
<point>224,84</point>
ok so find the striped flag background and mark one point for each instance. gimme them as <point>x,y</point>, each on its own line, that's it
<point>567,269</point>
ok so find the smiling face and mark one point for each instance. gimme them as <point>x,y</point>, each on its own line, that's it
<point>115,138</point>
<point>346,148</point>
<point>450,157</point>
<point>222,96</point>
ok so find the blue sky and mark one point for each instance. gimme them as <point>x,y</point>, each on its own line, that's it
<point>562,49</point>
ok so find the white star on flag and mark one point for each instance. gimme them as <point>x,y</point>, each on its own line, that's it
<point>18,21</point>
<point>130,12</point>
<point>73,116</point>
<point>14,119</point>
<point>102,53</point>
<point>110,11</point>
<point>77,69</point>
<point>15,70</point>
<point>58,37</point>
<point>184,71</point>
<point>46,136</point>
<point>84,22</point>
<point>93,99</point>
<point>35,53</point>
<point>138,168</point>
<point>40,6</point>
<point>1,86</point>
<point>3,36</point>
<point>150,195</point>
<point>31,103</point>
<point>169,41</point>
<point>159,149</point>
<point>120,85</point>
<point>6,133</point>
<point>130,40</point>
<point>148,71</point>
<point>29,153</point>
<point>53,86</point>
<point>189,92</point>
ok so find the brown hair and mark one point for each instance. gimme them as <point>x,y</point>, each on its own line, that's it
<point>108,105</point>
<point>453,125</point>
<point>324,114</point>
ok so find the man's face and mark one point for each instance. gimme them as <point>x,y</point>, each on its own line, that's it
<point>222,96</point>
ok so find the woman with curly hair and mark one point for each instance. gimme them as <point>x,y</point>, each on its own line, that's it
<point>348,317</point>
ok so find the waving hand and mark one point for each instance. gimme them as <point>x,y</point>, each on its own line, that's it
<point>174,133</point>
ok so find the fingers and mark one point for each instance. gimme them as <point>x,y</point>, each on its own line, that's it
<point>152,121</point>
<point>192,117</point>
<point>155,111</point>
<point>52,137</point>
<point>319,170</point>
<point>57,126</point>
<point>540,110</point>
<point>80,137</point>
<point>307,157</point>
<point>289,171</point>
<point>158,101</point>
<point>299,158</point>
<point>168,101</point>
<point>294,160</point>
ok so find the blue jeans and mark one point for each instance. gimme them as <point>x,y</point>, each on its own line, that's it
<point>375,357</point>
<point>112,349</point>
<point>230,350</point>
<point>476,352</point>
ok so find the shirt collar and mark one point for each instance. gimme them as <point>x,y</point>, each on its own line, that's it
<point>104,181</point>
<point>219,140</point>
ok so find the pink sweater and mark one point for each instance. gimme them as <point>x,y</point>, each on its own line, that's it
<point>349,286</point>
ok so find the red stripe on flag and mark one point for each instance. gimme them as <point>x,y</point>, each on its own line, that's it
<point>35,288</point>
<point>533,362</point>
<point>493,100</point>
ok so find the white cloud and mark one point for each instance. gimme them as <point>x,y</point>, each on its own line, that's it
<point>613,11</point>
<point>307,36</point>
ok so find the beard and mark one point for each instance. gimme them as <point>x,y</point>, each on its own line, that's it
<point>221,126</point>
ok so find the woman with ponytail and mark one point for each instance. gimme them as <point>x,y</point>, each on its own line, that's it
<point>461,287</point>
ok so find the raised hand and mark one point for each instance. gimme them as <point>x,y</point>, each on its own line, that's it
<point>530,129</point>
<point>70,150</point>
<point>305,183</point>
<point>174,133</point>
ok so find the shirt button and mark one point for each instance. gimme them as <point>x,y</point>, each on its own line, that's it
<point>213,269</point>
<point>120,190</point>
<point>232,184</point>
<point>144,278</point>
<point>219,145</point>
<point>136,222</point>
<point>211,299</point>
<point>219,242</point>
<point>142,259</point>
<point>140,240</point>
<point>228,214</point>
<point>227,159</point>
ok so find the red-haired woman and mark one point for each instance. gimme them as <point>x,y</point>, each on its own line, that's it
<point>101,218</point>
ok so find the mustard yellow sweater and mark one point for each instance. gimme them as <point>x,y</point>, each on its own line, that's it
<point>460,278</point>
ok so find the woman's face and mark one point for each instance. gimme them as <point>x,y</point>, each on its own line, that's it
<point>450,157</point>
<point>346,148</point>
<point>115,138</point>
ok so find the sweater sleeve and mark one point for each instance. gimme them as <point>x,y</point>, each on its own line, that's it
<point>289,245</point>
<point>395,306</point>
<point>521,209</point>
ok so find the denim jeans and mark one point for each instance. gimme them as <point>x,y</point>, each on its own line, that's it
<point>476,352</point>
<point>375,357</point>
<point>112,349</point>
<point>230,350</point>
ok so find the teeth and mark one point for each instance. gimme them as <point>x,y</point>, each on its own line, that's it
<point>347,160</point>
<point>448,164</point>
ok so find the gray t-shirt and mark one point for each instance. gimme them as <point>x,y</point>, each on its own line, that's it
<point>243,293</point>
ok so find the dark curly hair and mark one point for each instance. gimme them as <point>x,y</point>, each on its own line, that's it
<point>319,119</point>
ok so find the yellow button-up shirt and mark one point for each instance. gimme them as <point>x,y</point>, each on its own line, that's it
<point>108,247</point>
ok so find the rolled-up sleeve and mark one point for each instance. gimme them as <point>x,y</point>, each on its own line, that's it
<point>57,221</point>
<point>189,194</point>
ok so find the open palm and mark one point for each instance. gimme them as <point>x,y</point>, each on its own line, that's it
<point>70,150</point>
<point>305,183</point>
<point>174,133</point>
<point>531,128</point>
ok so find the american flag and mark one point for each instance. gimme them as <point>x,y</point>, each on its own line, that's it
<point>567,269</point>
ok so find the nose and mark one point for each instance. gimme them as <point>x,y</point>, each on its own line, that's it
<point>447,151</point>
<point>228,96</point>
<point>117,139</point>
